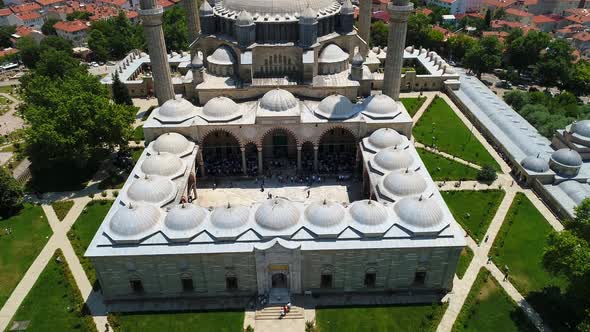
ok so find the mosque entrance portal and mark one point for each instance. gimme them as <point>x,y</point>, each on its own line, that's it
<point>279,280</point>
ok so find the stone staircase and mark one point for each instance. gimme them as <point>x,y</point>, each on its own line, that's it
<point>273,313</point>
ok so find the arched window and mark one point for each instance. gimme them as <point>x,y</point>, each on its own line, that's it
<point>370,278</point>
<point>186,280</point>
<point>231,282</point>
<point>136,285</point>
<point>327,277</point>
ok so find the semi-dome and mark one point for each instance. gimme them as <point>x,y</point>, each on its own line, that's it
<point>379,105</point>
<point>368,212</point>
<point>221,109</point>
<point>152,189</point>
<point>404,183</point>
<point>184,217</point>
<point>419,213</point>
<point>278,7</point>
<point>244,18</point>
<point>230,216</point>
<point>175,110</point>
<point>331,54</point>
<point>385,137</point>
<point>393,158</point>
<point>278,100</point>
<point>223,55</point>
<point>162,163</point>
<point>325,213</point>
<point>277,214</point>
<point>535,164</point>
<point>134,220</point>
<point>581,128</point>
<point>567,157</point>
<point>173,143</point>
<point>335,107</point>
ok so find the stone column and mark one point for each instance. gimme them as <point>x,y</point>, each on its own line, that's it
<point>193,21</point>
<point>315,158</point>
<point>151,16</point>
<point>398,26</point>
<point>365,20</point>
<point>299,158</point>
<point>243,150</point>
<point>259,160</point>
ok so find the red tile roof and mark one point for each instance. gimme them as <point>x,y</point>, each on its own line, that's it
<point>71,26</point>
<point>116,3</point>
<point>8,51</point>
<point>5,12</point>
<point>45,3</point>
<point>577,15</point>
<point>499,3</point>
<point>381,15</point>
<point>582,36</point>
<point>165,3</point>
<point>28,16</point>
<point>424,11</point>
<point>25,7</point>
<point>540,19</point>
<point>518,12</point>
<point>23,30</point>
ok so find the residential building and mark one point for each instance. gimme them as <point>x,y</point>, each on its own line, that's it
<point>74,31</point>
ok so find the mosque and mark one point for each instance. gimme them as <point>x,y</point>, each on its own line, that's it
<point>277,88</point>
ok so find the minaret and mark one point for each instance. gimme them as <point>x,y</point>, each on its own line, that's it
<point>151,16</point>
<point>365,20</point>
<point>399,11</point>
<point>193,23</point>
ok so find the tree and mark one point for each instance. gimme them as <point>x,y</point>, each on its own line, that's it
<point>485,56</point>
<point>175,30</point>
<point>11,194</point>
<point>487,174</point>
<point>120,91</point>
<point>99,45</point>
<point>30,51</point>
<point>499,14</point>
<point>47,28</point>
<point>516,99</point>
<point>434,40</point>
<point>5,35</point>
<point>379,34</point>
<point>57,43</point>
<point>418,27</point>
<point>121,37</point>
<point>458,45</point>
<point>56,64</point>
<point>79,15</point>
<point>578,80</point>
<point>522,50</point>
<point>554,63</point>
<point>488,18</point>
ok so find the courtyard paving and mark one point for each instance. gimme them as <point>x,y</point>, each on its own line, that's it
<point>249,192</point>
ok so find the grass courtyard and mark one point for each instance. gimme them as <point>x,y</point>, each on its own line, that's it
<point>444,169</point>
<point>520,245</point>
<point>84,229</point>
<point>489,308</point>
<point>54,303</point>
<point>213,321</point>
<point>440,126</point>
<point>474,210</point>
<point>464,261</point>
<point>402,318</point>
<point>412,105</point>
<point>62,208</point>
<point>30,232</point>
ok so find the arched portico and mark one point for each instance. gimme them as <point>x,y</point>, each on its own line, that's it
<point>279,149</point>
<point>222,154</point>
<point>337,151</point>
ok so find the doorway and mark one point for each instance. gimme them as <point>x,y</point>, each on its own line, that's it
<point>279,280</point>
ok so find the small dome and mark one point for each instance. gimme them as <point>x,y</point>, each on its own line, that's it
<point>221,109</point>
<point>393,158</point>
<point>134,219</point>
<point>357,60</point>
<point>385,137</point>
<point>152,189</point>
<point>581,128</point>
<point>206,8</point>
<point>164,164</point>
<point>380,105</point>
<point>223,55</point>
<point>171,142</point>
<point>419,212</point>
<point>567,157</point>
<point>244,19</point>
<point>277,214</point>
<point>230,216</point>
<point>410,49</point>
<point>184,217</point>
<point>368,212</point>
<point>278,100</point>
<point>309,16</point>
<point>335,107</point>
<point>175,110</point>
<point>331,54</point>
<point>535,164</point>
<point>347,8</point>
<point>325,214</point>
<point>197,62</point>
<point>404,183</point>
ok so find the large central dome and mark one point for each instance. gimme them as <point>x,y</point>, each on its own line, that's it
<point>278,7</point>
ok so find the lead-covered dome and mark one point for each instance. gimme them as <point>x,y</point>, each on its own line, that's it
<point>278,100</point>
<point>163,164</point>
<point>380,105</point>
<point>332,54</point>
<point>134,220</point>
<point>335,107</point>
<point>368,212</point>
<point>175,111</point>
<point>325,213</point>
<point>221,109</point>
<point>384,138</point>
<point>279,7</point>
<point>393,158</point>
<point>184,217</point>
<point>277,214</point>
<point>418,213</point>
<point>535,164</point>
<point>581,128</point>
<point>152,189</point>
<point>230,216</point>
<point>404,183</point>
<point>173,143</point>
<point>567,157</point>
<point>223,55</point>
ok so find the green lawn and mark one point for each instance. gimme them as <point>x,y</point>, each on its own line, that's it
<point>62,208</point>
<point>443,169</point>
<point>464,260</point>
<point>402,318</point>
<point>474,210</point>
<point>84,229</point>
<point>213,321</point>
<point>138,134</point>
<point>441,126</point>
<point>412,104</point>
<point>520,245</point>
<point>489,308</point>
<point>30,232</point>
<point>55,303</point>
<point>136,153</point>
